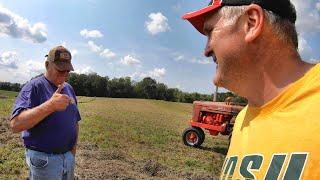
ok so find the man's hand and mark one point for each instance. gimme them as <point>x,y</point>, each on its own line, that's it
<point>58,101</point>
<point>74,150</point>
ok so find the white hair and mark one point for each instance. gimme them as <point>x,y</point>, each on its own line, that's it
<point>283,28</point>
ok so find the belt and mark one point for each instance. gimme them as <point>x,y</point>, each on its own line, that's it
<point>55,151</point>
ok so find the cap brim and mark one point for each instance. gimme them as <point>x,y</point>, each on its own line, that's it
<point>197,18</point>
<point>64,66</point>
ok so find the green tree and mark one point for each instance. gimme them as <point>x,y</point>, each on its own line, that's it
<point>161,91</point>
<point>147,88</point>
<point>121,88</point>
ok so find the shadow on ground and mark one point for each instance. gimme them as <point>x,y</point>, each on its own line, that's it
<point>218,149</point>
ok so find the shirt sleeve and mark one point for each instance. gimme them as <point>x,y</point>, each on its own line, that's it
<point>25,100</point>
<point>78,117</point>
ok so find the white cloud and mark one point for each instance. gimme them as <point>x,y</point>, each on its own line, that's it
<point>306,51</point>
<point>9,59</point>
<point>91,33</point>
<point>18,70</point>
<point>13,69</point>
<point>25,71</point>
<point>129,60</point>
<point>318,6</point>
<point>74,53</point>
<point>155,73</point>
<point>202,61</point>
<point>138,76</point>
<point>187,59</point>
<point>158,72</point>
<point>64,44</point>
<point>205,61</point>
<point>107,53</point>
<point>158,23</point>
<point>308,17</point>
<point>179,58</point>
<point>93,47</point>
<point>313,60</point>
<point>16,26</point>
<point>178,86</point>
<point>84,70</point>
<point>33,67</point>
<point>304,48</point>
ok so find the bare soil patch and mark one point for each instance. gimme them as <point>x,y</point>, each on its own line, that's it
<point>93,163</point>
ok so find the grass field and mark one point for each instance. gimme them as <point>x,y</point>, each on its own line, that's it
<point>124,139</point>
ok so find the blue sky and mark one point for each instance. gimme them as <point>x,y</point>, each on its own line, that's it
<point>122,38</point>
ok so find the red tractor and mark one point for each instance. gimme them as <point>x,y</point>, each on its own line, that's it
<point>216,117</point>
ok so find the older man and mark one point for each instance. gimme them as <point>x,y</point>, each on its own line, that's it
<point>46,111</point>
<point>254,44</point>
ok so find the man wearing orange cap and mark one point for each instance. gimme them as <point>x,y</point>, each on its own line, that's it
<point>254,44</point>
<point>46,113</point>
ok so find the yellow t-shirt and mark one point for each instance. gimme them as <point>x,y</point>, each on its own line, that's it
<point>280,140</point>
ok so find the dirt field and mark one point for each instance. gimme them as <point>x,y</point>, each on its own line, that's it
<point>124,139</point>
<point>96,164</point>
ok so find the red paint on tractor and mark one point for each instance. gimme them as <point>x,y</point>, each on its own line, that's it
<point>215,117</point>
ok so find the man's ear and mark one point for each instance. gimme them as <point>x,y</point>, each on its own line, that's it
<point>47,65</point>
<point>254,21</point>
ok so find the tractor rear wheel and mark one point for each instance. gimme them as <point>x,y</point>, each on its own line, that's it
<point>193,136</point>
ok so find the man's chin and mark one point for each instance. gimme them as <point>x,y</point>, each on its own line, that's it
<point>216,81</point>
<point>61,82</point>
<point>219,82</point>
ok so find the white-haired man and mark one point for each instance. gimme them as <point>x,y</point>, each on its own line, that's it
<point>46,113</point>
<point>254,44</point>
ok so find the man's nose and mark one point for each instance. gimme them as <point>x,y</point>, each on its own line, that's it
<point>207,50</point>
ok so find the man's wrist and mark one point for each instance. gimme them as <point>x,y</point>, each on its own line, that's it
<point>48,107</point>
<point>74,150</point>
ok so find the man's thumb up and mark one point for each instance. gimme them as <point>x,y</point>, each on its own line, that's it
<point>59,101</point>
<point>60,87</point>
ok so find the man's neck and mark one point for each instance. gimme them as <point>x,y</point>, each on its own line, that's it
<point>50,79</point>
<point>272,76</point>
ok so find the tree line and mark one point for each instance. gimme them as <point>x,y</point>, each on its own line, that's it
<point>10,86</point>
<point>94,85</point>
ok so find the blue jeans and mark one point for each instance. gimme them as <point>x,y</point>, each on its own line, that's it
<point>50,166</point>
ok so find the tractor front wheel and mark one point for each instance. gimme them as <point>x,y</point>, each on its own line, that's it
<point>193,137</point>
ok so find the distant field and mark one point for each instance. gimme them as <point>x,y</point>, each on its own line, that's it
<point>124,139</point>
